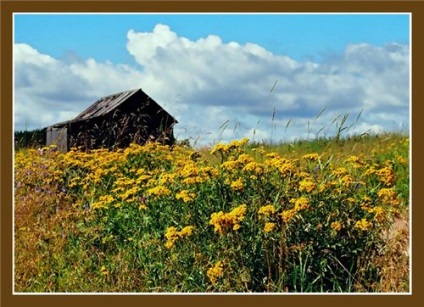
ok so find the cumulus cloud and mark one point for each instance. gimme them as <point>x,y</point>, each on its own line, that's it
<point>219,91</point>
<point>47,90</point>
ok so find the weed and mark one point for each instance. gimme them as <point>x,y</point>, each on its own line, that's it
<point>301,217</point>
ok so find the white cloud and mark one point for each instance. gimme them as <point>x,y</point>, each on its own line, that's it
<point>367,128</point>
<point>205,83</point>
<point>49,91</point>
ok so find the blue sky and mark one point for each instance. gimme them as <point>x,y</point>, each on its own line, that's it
<point>347,48</point>
<point>301,36</point>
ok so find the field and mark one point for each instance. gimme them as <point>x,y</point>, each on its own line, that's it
<point>307,216</point>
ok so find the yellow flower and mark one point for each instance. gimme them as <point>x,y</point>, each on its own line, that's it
<point>287,215</point>
<point>386,176</point>
<point>123,183</point>
<point>230,165</point>
<point>222,221</point>
<point>271,155</point>
<point>339,171</point>
<point>142,178</point>
<point>189,180</point>
<point>218,220</point>
<point>215,272</point>
<point>190,170</point>
<point>371,170</point>
<point>311,157</point>
<point>233,145</point>
<point>388,196</point>
<point>307,185</point>
<point>347,180</point>
<point>237,214</point>
<point>219,148</point>
<point>167,179</point>
<point>354,161</point>
<point>300,203</point>
<point>172,234</point>
<point>104,271</point>
<point>140,171</point>
<point>134,190</point>
<point>209,172</point>
<point>401,160</point>
<point>243,141</point>
<point>237,185</point>
<point>363,225</point>
<point>266,210</point>
<point>159,191</point>
<point>269,227</point>
<point>74,181</point>
<point>379,213</point>
<point>186,231</point>
<point>103,202</point>
<point>244,159</point>
<point>186,196</point>
<point>250,167</point>
<point>337,226</point>
<point>285,167</point>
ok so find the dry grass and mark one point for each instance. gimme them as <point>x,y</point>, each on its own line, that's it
<point>395,273</point>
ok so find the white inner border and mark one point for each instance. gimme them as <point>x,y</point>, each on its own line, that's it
<point>212,293</point>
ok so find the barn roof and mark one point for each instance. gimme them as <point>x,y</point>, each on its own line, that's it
<point>105,105</point>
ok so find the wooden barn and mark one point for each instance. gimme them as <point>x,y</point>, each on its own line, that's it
<point>115,121</point>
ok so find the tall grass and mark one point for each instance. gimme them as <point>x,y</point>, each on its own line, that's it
<point>306,216</point>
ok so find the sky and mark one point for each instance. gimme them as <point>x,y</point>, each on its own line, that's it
<point>268,77</point>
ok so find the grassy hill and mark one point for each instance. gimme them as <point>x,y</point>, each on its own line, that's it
<point>307,216</point>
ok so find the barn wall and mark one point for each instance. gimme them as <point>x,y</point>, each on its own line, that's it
<point>150,120</point>
<point>58,137</point>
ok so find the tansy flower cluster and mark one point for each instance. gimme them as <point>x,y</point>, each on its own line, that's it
<point>216,272</point>
<point>363,225</point>
<point>301,203</point>
<point>172,235</point>
<point>186,196</point>
<point>224,221</point>
<point>266,211</point>
<point>269,214</point>
<point>232,146</point>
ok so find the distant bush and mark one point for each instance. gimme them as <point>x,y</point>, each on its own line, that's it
<point>30,139</point>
